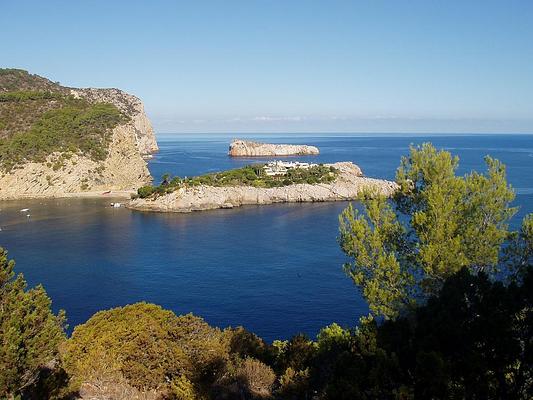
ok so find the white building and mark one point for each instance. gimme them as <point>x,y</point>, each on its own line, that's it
<point>276,168</point>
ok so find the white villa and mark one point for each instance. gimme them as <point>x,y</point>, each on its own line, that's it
<point>276,168</point>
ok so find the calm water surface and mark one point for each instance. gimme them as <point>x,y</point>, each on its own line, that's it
<point>276,270</point>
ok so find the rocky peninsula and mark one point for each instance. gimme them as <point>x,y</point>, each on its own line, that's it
<point>348,183</point>
<point>243,148</point>
<point>103,151</point>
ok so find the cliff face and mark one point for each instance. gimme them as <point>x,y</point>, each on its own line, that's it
<point>347,186</point>
<point>74,173</point>
<point>243,148</point>
<point>129,105</point>
<point>123,170</point>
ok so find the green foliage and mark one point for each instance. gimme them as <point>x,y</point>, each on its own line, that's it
<point>519,254</point>
<point>294,384</point>
<point>145,191</point>
<point>245,344</point>
<point>381,264</point>
<point>77,126</point>
<point>39,117</point>
<point>149,346</point>
<point>472,341</point>
<point>250,175</point>
<point>21,95</point>
<point>439,224</point>
<point>181,388</point>
<point>29,332</point>
<point>12,79</point>
<point>246,378</point>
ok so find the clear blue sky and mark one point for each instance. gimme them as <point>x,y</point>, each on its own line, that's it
<point>270,66</point>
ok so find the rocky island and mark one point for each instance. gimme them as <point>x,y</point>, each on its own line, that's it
<point>243,148</point>
<point>57,141</point>
<point>260,184</point>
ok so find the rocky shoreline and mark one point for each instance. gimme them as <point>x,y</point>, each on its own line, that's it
<point>347,186</point>
<point>244,148</point>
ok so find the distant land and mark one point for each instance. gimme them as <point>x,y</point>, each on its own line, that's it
<point>258,184</point>
<point>57,141</point>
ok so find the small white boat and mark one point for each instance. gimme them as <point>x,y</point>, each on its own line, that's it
<point>25,210</point>
<point>116,205</point>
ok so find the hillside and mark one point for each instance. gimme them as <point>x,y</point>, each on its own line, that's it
<point>62,141</point>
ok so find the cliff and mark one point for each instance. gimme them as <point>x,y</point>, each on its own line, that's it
<point>243,148</point>
<point>58,141</point>
<point>129,105</point>
<point>348,184</point>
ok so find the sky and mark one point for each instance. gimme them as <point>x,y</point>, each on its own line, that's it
<point>290,66</point>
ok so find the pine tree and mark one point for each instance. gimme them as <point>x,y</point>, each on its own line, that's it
<point>437,223</point>
<point>29,332</point>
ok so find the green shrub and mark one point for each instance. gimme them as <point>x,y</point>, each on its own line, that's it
<point>145,191</point>
<point>147,345</point>
<point>246,378</point>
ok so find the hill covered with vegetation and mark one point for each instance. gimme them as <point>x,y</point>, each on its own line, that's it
<point>39,117</point>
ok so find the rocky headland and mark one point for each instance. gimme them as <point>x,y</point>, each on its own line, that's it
<point>110,161</point>
<point>347,186</point>
<point>243,148</point>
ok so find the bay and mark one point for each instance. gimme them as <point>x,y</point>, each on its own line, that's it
<point>277,270</point>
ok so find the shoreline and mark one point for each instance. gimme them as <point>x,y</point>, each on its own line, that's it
<point>114,194</point>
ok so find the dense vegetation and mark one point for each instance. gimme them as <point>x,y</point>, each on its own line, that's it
<point>12,79</point>
<point>250,175</point>
<point>37,118</point>
<point>456,327</point>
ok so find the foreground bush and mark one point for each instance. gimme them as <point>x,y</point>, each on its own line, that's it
<point>30,333</point>
<point>147,345</point>
<point>473,339</point>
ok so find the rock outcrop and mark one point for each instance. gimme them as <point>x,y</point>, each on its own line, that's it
<point>243,148</point>
<point>74,174</point>
<point>348,184</point>
<point>123,171</point>
<point>129,105</point>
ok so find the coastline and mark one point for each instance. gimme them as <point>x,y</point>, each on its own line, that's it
<point>113,194</point>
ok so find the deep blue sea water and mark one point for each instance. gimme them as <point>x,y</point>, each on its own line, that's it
<point>276,270</point>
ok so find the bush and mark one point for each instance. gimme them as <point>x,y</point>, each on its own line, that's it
<point>256,377</point>
<point>247,344</point>
<point>145,191</point>
<point>247,379</point>
<point>147,345</point>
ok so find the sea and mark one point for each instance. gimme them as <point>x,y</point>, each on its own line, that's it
<point>277,270</point>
